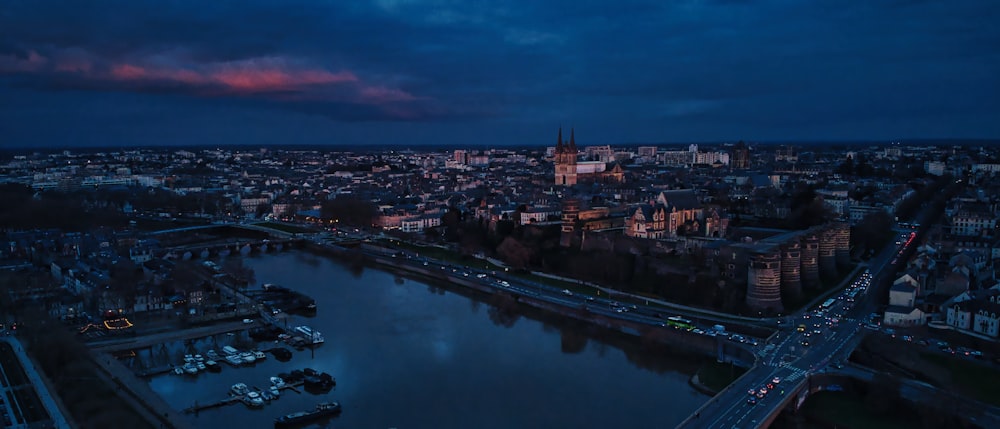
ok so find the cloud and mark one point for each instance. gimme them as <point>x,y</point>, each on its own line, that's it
<point>735,66</point>
<point>282,82</point>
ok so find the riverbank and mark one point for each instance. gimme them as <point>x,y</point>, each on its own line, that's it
<point>677,338</point>
<point>712,377</point>
<point>407,333</point>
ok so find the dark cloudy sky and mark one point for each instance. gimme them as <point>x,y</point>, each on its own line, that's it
<point>410,72</point>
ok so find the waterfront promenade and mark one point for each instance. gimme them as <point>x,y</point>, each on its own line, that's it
<point>43,389</point>
<point>137,393</point>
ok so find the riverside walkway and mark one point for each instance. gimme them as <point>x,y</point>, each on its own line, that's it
<point>50,403</point>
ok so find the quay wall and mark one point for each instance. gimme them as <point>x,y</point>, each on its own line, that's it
<point>700,344</point>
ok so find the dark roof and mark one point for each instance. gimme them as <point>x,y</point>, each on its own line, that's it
<point>899,309</point>
<point>681,199</point>
<point>902,287</point>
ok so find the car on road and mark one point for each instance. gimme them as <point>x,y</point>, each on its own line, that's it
<point>776,380</point>
<point>248,321</point>
<point>567,292</point>
<point>752,401</point>
<point>805,343</point>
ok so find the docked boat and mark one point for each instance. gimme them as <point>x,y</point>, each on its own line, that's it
<point>266,395</point>
<point>230,350</point>
<point>178,370</point>
<point>318,382</point>
<point>259,355</point>
<point>277,381</point>
<point>201,366</point>
<point>253,399</point>
<point>234,360</point>
<point>299,417</point>
<point>212,355</point>
<point>190,368</point>
<point>239,389</point>
<point>311,336</point>
<point>248,357</point>
<point>281,353</point>
<point>213,365</point>
<point>275,391</point>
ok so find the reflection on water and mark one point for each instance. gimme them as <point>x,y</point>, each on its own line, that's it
<point>409,355</point>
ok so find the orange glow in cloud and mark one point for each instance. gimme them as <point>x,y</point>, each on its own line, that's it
<point>269,79</point>
<point>242,77</point>
<point>128,72</point>
<point>263,76</point>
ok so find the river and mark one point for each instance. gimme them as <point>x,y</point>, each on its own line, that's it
<point>406,354</point>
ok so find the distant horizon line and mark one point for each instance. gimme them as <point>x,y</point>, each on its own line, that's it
<point>789,142</point>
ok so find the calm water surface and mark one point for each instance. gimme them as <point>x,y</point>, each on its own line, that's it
<point>408,355</point>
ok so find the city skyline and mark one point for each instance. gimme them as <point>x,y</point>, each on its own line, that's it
<point>443,73</point>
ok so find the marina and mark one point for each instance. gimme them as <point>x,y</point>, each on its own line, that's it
<point>308,379</point>
<point>243,397</point>
<point>378,331</point>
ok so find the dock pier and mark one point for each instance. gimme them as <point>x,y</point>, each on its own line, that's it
<point>196,408</point>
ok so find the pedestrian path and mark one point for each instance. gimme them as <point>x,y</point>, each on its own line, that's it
<point>41,388</point>
<point>138,393</point>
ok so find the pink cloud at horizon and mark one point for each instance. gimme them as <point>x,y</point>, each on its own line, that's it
<point>272,78</point>
<point>242,77</point>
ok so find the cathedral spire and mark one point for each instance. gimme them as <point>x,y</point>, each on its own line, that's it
<point>559,145</point>
<point>572,141</point>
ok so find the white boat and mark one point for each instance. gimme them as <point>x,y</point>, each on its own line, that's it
<point>254,399</point>
<point>212,355</point>
<point>178,370</point>
<point>230,350</point>
<point>239,389</point>
<point>259,355</point>
<point>190,368</point>
<point>266,395</point>
<point>188,359</point>
<point>248,357</point>
<point>277,381</point>
<point>201,366</point>
<point>275,391</point>
<point>199,358</point>
<point>234,360</point>
<point>310,335</point>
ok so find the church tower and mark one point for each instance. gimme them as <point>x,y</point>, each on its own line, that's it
<point>565,159</point>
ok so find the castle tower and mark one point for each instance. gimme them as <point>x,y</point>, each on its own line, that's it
<point>570,214</point>
<point>764,281</point>
<point>827,253</point>
<point>791,269</point>
<point>810,260</point>
<point>842,250</point>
